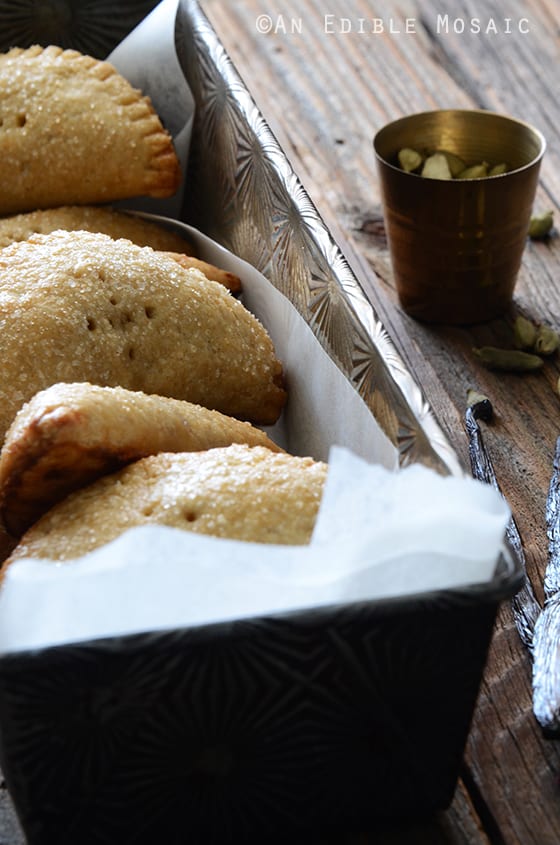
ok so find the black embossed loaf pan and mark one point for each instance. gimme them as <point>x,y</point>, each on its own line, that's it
<point>262,729</point>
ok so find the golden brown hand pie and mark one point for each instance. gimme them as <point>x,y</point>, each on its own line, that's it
<point>80,306</point>
<point>92,218</point>
<point>70,434</point>
<point>215,274</point>
<point>239,492</point>
<point>74,130</point>
<point>116,224</point>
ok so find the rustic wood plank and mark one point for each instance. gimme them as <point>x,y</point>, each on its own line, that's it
<point>324,96</point>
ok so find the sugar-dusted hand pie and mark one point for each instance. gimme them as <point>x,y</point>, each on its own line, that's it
<point>92,218</point>
<point>68,435</point>
<point>117,224</point>
<point>80,306</point>
<point>238,492</point>
<point>73,130</point>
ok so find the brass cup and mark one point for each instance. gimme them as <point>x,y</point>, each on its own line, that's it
<point>456,245</point>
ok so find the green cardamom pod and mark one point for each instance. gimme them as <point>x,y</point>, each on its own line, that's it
<point>409,159</point>
<point>547,341</point>
<point>477,171</point>
<point>436,167</point>
<point>498,169</point>
<point>541,224</point>
<point>455,163</point>
<point>512,360</point>
<point>524,332</point>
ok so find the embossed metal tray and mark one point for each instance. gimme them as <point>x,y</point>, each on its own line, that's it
<point>244,194</point>
<point>267,728</point>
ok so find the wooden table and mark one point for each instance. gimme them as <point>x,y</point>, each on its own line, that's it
<point>326,82</point>
<point>326,76</point>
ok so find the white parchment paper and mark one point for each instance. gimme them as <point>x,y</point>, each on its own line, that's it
<point>148,59</point>
<point>381,532</point>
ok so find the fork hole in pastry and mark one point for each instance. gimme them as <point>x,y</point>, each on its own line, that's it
<point>21,120</point>
<point>149,311</point>
<point>189,515</point>
<point>148,510</point>
<point>91,324</point>
<point>131,352</point>
<point>114,300</point>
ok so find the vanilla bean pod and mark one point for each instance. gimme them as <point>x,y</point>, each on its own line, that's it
<point>525,606</point>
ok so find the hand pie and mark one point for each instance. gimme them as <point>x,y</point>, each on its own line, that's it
<point>80,306</point>
<point>239,492</point>
<point>74,130</point>
<point>68,435</point>
<point>215,274</point>
<point>116,224</point>
<point>92,218</point>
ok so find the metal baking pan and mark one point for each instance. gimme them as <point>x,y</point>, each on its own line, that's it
<point>264,728</point>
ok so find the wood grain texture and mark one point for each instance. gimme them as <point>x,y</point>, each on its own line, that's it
<point>324,95</point>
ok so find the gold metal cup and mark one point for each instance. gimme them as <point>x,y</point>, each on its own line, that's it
<point>456,245</point>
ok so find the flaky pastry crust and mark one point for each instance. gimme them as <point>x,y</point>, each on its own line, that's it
<point>92,218</point>
<point>239,492</point>
<point>80,306</point>
<point>74,130</point>
<point>68,435</point>
<point>116,224</point>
